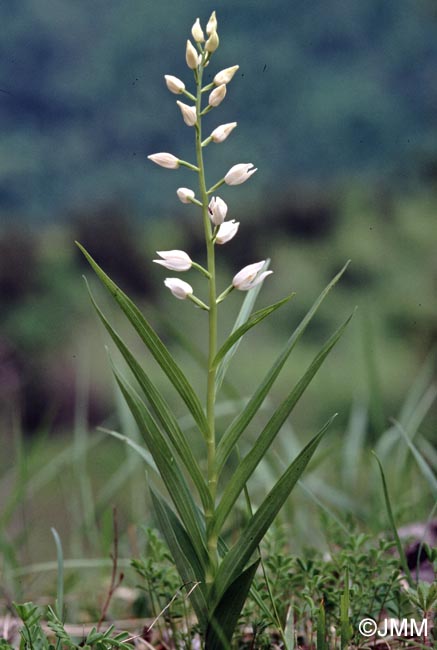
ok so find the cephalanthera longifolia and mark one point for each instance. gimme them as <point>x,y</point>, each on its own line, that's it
<point>193,523</point>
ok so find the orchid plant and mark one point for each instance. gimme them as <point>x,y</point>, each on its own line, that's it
<point>218,576</point>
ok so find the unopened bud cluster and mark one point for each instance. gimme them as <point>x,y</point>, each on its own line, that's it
<point>218,230</point>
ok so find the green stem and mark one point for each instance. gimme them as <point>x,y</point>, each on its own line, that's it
<point>212,347</point>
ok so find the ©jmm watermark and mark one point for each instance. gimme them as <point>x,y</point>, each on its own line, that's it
<point>404,627</point>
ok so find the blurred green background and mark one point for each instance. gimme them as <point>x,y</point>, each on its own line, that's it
<point>337,106</point>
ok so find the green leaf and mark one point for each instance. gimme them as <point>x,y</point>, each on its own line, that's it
<point>321,628</point>
<point>240,423</point>
<point>345,626</point>
<point>185,557</point>
<point>166,464</point>
<point>243,315</point>
<point>160,409</point>
<point>399,545</point>
<point>225,615</point>
<point>141,451</point>
<point>237,557</point>
<point>256,318</point>
<point>154,344</point>
<point>423,465</point>
<point>247,466</point>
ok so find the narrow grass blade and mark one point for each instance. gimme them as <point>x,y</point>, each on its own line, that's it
<point>154,344</point>
<point>321,628</point>
<point>399,546</point>
<point>243,315</point>
<point>60,577</point>
<point>167,465</point>
<point>423,465</point>
<point>225,615</point>
<point>134,445</point>
<point>345,625</point>
<point>183,553</point>
<point>240,423</point>
<point>272,428</point>
<point>238,556</point>
<point>160,409</point>
<point>256,318</point>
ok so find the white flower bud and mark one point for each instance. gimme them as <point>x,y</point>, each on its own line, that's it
<point>221,132</point>
<point>191,56</point>
<point>179,288</point>
<point>217,95</point>
<point>197,32</point>
<point>239,173</point>
<point>250,276</point>
<point>217,210</point>
<point>227,231</point>
<point>188,113</point>
<point>225,76</point>
<point>174,260</point>
<point>185,195</point>
<point>174,84</point>
<point>212,24</point>
<point>212,43</point>
<point>165,160</point>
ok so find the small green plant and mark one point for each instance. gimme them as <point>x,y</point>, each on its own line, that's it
<point>202,512</point>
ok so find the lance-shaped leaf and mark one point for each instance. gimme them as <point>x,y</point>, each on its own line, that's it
<point>256,318</point>
<point>160,409</point>
<point>240,423</point>
<point>154,344</point>
<point>184,555</point>
<point>225,616</point>
<point>238,556</point>
<point>167,465</point>
<point>265,439</point>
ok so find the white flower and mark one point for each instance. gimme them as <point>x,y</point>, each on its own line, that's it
<point>225,76</point>
<point>165,160</point>
<point>212,43</point>
<point>217,210</point>
<point>250,276</point>
<point>174,84</point>
<point>188,113</point>
<point>185,194</point>
<point>212,24</point>
<point>179,288</point>
<point>174,260</point>
<point>197,32</point>
<point>239,173</point>
<point>227,231</point>
<point>191,56</point>
<point>221,132</point>
<point>217,95</point>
